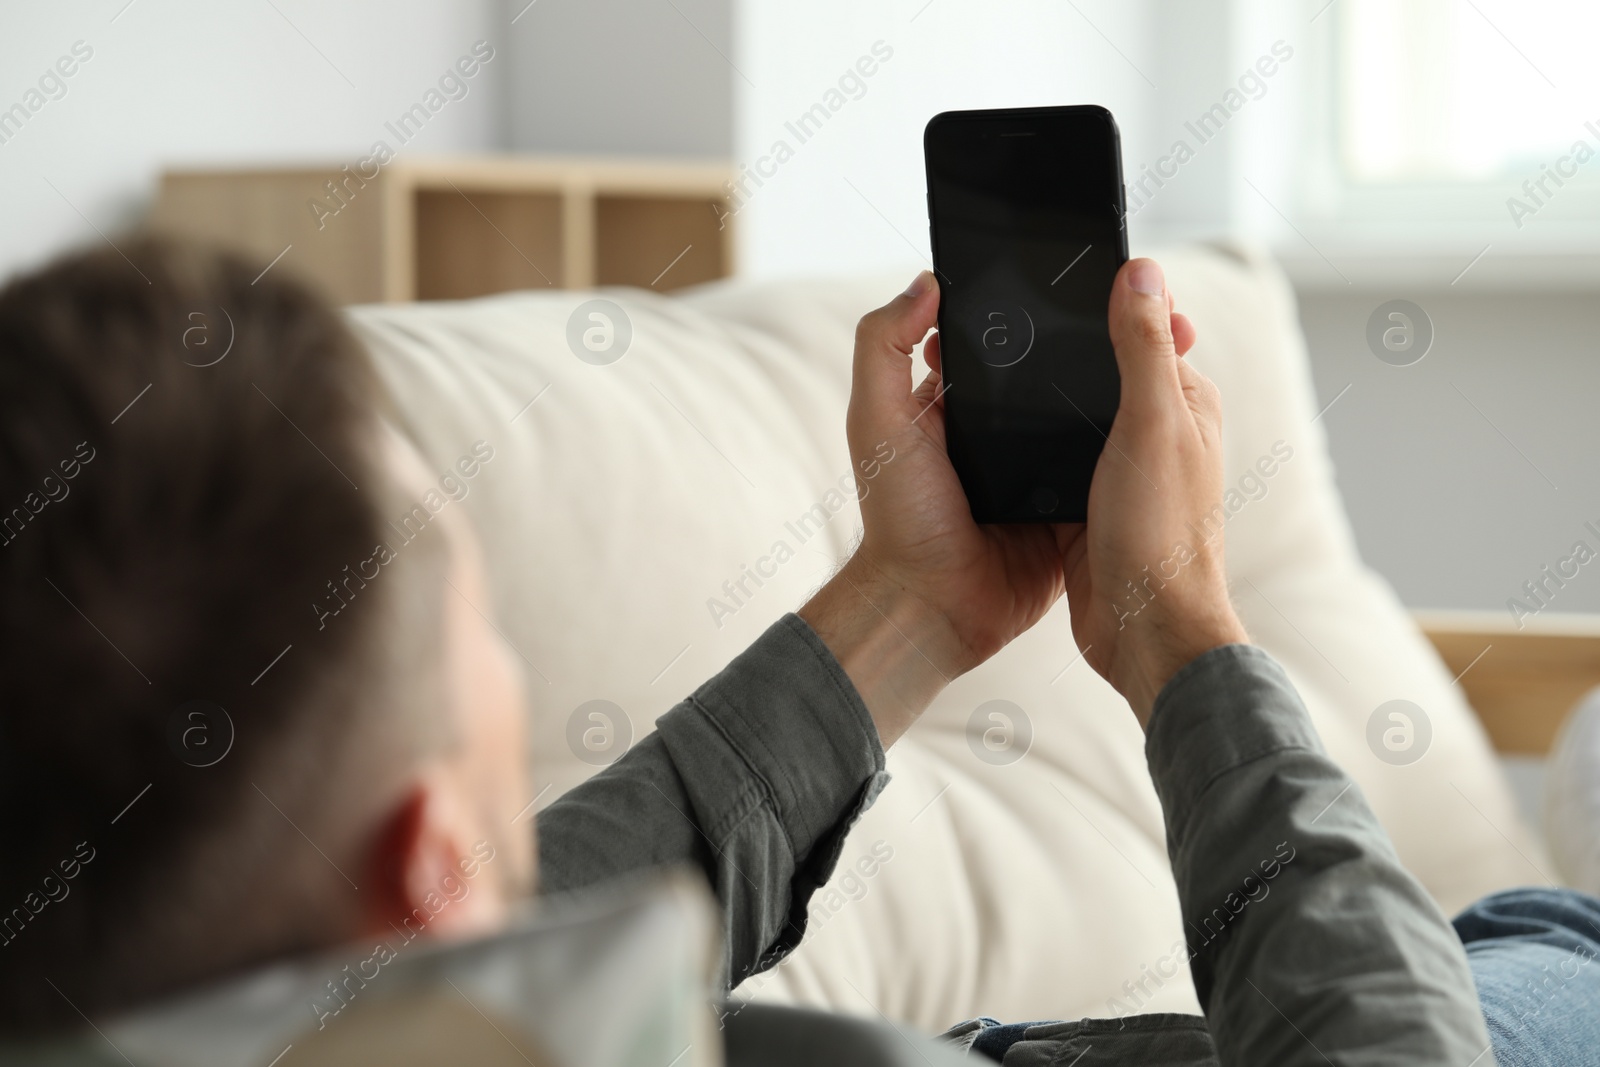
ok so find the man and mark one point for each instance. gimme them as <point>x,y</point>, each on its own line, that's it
<point>174,511</point>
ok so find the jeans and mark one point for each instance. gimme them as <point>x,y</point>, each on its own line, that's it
<point>1533,958</point>
<point>1533,955</point>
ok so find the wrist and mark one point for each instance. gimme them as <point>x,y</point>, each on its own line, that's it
<point>898,651</point>
<point>1154,650</point>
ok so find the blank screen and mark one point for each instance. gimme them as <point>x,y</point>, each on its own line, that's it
<point>1026,212</point>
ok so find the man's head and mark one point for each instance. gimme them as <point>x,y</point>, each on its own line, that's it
<point>193,483</point>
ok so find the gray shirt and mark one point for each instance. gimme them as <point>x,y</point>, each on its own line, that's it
<point>1308,942</point>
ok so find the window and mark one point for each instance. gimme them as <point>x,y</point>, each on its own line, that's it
<point>1464,90</point>
<point>1444,127</point>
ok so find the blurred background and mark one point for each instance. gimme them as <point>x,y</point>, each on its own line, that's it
<point>1433,151</point>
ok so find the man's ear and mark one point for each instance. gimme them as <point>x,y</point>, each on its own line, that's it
<point>424,873</point>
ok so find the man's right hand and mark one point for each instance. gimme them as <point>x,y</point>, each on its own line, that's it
<point>928,594</point>
<point>1144,577</point>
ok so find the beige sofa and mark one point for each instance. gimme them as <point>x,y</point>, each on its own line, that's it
<point>1016,866</point>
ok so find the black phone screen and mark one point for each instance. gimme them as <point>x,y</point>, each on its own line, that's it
<point>1028,228</point>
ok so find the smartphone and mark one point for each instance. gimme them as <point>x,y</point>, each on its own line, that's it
<point>1027,219</point>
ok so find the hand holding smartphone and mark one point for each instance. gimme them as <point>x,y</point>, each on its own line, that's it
<point>1028,225</point>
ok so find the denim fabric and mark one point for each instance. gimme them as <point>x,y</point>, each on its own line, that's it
<point>986,1037</point>
<point>1158,1039</point>
<point>997,1038</point>
<point>1533,956</point>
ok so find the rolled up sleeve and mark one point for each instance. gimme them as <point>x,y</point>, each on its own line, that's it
<point>755,779</point>
<point>1309,942</point>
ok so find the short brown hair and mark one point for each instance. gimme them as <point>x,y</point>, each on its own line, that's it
<point>209,502</point>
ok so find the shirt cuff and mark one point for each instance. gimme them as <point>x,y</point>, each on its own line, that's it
<point>1225,708</point>
<point>787,711</point>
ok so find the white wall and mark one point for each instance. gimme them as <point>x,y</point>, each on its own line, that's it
<point>173,83</point>
<point>622,76</point>
<point>1471,470</point>
<point>851,196</point>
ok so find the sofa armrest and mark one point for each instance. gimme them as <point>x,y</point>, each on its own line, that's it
<point>1523,681</point>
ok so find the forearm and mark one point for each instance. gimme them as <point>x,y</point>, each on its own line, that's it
<point>1307,938</point>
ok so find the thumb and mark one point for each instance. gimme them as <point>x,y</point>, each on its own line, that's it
<point>885,339</point>
<point>1141,334</point>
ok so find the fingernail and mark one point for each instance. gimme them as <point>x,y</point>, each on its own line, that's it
<point>920,284</point>
<point>1146,277</point>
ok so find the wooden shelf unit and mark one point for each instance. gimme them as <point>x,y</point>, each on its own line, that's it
<point>451,228</point>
